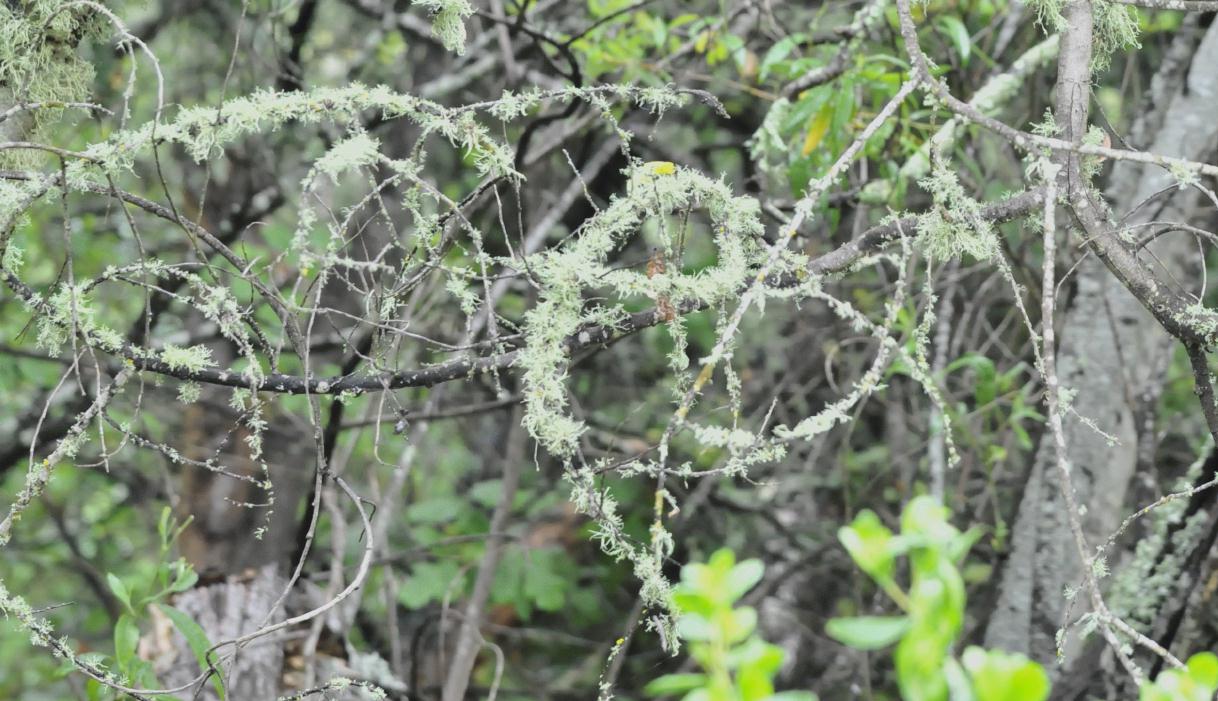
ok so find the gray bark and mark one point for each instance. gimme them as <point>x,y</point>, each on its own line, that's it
<point>226,610</point>
<point>1113,353</point>
<point>469,640</point>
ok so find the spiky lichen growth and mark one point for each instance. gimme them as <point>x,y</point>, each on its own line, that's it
<point>1153,574</point>
<point>1115,26</point>
<point>188,392</point>
<point>744,448</point>
<point>655,191</point>
<point>192,359</point>
<point>70,307</point>
<point>914,363</point>
<point>955,225</point>
<point>565,273</point>
<point>448,21</point>
<point>38,62</point>
<point>655,591</point>
<point>1201,319</point>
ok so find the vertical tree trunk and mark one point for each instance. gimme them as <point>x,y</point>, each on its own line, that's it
<point>1114,354</point>
<point>228,609</point>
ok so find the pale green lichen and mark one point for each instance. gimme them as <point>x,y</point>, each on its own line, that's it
<point>191,359</point>
<point>448,21</point>
<point>13,259</point>
<point>69,307</point>
<point>565,273</point>
<point>655,590</point>
<point>1184,176</point>
<point>39,62</point>
<point>355,152</point>
<point>188,392</point>
<point>1201,319</point>
<point>1154,572</point>
<point>1115,26</point>
<point>955,225</point>
<point>511,105</point>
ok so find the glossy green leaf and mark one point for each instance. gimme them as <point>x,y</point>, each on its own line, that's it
<point>743,577</point>
<point>867,632</point>
<point>955,30</point>
<point>1002,676</point>
<point>126,640</point>
<point>119,589</point>
<point>670,684</point>
<point>1203,668</point>
<point>867,540</point>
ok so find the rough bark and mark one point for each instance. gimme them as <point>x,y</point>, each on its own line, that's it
<point>469,640</point>
<point>1113,353</point>
<point>229,609</point>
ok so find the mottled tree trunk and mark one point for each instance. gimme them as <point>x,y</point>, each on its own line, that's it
<point>225,610</point>
<point>1113,353</point>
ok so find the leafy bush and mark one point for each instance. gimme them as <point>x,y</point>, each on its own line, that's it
<point>737,665</point>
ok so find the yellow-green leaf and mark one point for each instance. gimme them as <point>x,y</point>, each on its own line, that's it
<point>817,129</point>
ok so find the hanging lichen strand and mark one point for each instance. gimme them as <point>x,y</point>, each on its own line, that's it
<point>581,287</point>
<point>567,272</point>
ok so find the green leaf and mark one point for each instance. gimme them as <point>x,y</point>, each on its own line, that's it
<point>694,627</point>
<point>126,640</point>
<point>799,174</point>
<point>817,128</point>
<point>670,684</point>
<point>778,53</point>
<point>436,510</point>
<point>754,683</point>
<point>508,587</point>
<point>691,601</point>
<point>1002,676</point>
<point>162,524</point>
<point>920,658</point>
<point>120,590</point>
<point>925,520</point>
<point>867,540</point>
<point>486,492</point>
<point>867,632</point>
<point>427,581</point>
<point>742,578</point>
<point>196,638</point>
<point>985,384</point>
<point>1203,668</point>
<point>739,625</point>
<point>543,581</point>
<point>955,30</point>
<point>185,579</point>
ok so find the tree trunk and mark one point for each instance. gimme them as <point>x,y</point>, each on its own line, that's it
<point>1113,353</point>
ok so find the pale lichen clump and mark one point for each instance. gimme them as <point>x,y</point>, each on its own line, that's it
<point>955,226</point>
<point>654,192</point>
<point>655,591</point>
<point>1153,573</point>
<point>1201,319</point>
<point>744,448</point>
<point>448,21</point>
<point>565,276</point>
<point>39,63</point>
<point>1116,26</point>
<point>565,273</point>
<point>190,359</point>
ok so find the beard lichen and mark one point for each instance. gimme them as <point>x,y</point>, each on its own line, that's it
<point>954,226</point>
<point>565,273</point>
